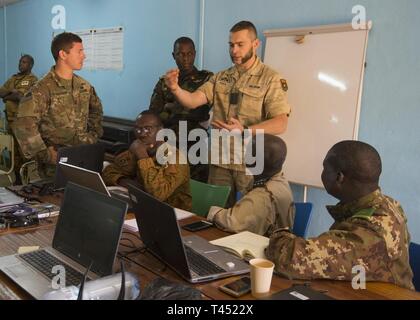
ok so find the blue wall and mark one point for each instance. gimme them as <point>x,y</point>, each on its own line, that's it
<point>150,29</point>
<point>2,58</point>
<point>390,105</point>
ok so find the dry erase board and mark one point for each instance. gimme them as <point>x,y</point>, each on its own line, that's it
<point>324,68</point>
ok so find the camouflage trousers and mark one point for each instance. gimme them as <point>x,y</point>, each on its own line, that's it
<point>237,180</point>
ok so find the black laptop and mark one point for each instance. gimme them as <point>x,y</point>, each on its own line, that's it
<point>88,231</point>
<point>193,257</point>
<point>87,156</point>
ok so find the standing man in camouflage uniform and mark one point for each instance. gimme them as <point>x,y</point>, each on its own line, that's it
<point>11,93</point>
<point>16,87</point>
<point>169,182</point>
<point>248,95</point>
<point>170,111</point>
<point>62,109</point>
<point>269,205</point>
<point>370,229</point>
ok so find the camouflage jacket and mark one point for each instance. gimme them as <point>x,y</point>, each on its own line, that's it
<point>169,183</point>
<point>21,83</point>
<point>52,115</point>
<point>370,232</point>
<point>171,112</point>
<point>262,210</point>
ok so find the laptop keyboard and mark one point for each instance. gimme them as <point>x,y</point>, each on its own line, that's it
<point>200,265</point>
<point>43,261</point>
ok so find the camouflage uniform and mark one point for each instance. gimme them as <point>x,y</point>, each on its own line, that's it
<point>261,96</point>
<point>21,83</point>
<point>171,112</point>
<point>262,210</point>
<point>370,232</point>
<point>169,183</point>
<point>55,113</point>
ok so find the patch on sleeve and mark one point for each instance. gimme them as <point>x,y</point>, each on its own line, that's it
<point>284,85</point>
<point>364,213</point>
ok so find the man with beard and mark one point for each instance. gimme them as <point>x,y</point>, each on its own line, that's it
<point>249,95</point>
<point>169,182</point>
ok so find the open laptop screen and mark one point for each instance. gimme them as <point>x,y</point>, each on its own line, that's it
<point>89,228</point>
<point>87,156</point>
<point>159,229</point>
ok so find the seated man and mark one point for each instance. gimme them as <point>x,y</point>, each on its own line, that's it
<point>369,231</point>
<point>269,205</point>
<point>169,183</point>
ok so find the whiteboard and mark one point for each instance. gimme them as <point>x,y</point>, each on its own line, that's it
<point>325,79</point>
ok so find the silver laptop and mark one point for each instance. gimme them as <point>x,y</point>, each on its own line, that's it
<point>9,198</point>
<point>92,180</point>
<point>87,232</point>
<point>193,257</point>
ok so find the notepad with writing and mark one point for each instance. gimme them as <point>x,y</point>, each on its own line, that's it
<point>246,245</point>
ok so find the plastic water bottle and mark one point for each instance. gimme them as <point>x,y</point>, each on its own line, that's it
<point>107,288</point>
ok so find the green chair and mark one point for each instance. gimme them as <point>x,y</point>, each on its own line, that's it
<point>206,195</point>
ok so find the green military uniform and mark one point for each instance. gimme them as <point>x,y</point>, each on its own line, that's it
<point>169,183</point>
<point>261,96</point>
<point>171,112</point>
<point>262,210</point>
<point>57,112</point>
<point>370,232</point>
<point>21,83</point>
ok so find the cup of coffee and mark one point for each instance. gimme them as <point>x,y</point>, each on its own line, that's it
<point>261,275</point>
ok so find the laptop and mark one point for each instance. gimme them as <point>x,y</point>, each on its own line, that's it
<point>92,180</point>
<point>192,257</point>
<point>88,231</point>
<point>88,156</point>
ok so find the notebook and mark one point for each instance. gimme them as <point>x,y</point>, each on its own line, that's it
<point>193,257</point>
<point>246,245</point>
<point>88,231</point>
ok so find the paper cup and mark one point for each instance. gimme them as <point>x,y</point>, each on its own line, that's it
<point>261,275</point>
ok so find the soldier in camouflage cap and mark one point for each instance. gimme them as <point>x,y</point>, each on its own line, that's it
<point>369,231</point>
<point>11,93</point>
<point>269,205</point>
<point>62,109</point>
<point>169,182</point>
<point>170,111</point>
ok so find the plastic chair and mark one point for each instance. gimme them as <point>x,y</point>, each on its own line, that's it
<point>29,172</point>
<point>415,264</point>
<point>302,218</point>
<point>205,195</point>
<point>7,157</point>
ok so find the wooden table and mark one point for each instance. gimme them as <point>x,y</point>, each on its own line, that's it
<point>147,267</point>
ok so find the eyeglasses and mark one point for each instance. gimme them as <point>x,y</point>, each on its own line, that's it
<point>146,129</point>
